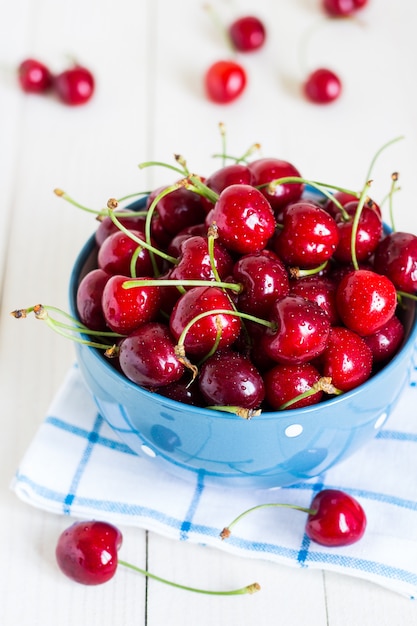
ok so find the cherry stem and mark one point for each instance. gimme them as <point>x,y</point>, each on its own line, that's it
<point>242,159</point>
<point>323,384</point>
<point>394,188</point>
<point>355,224</point>
<point>219,24</point>
<point>103,212</point>
<point>226,532</point>
<point>171,282</point>
<point>141,166</point>
<point>252,588</point>
<point>377,154</point>
<point>247,414</point>
<point>297,272</point>
<point>404,294</point>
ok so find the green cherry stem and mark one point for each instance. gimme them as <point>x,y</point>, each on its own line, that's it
<point>252,588</point>
<point>355,224</point>
<point>247,414</point>
<point>377,154</point>
<point>168,282</point>
<point>323,384</point>
<point>226,532</point>
<point>142,166</point>
<point>394,188</point>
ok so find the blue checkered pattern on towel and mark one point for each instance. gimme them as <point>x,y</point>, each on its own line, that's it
<point>96,476</point>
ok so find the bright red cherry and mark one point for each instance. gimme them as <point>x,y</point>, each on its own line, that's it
<point>234,174</point>
<point>286,382</point>
<point>225,81</point>
<point>347,360</point>
<point>34,76</point>
<point>366,301</point>
<point>318,289</point>
<point>247,33</point>
<point>368,234</point>
<point>75,86</point>
<point>116,252</point>
<point>396,257</point>
<point>195,263</point>
<point>338,519</point>
<point>86,552</point>
<point>343,8</point>
<point>266,170</point>
<point>244,219</point>
<point>322,86</point>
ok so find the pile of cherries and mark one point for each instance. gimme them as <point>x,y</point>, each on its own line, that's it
<point>73,86</point>
<point>241,292</point>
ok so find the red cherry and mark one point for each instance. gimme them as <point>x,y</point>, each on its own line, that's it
<point>75,86</point>
<point>338,520</point>
<point>244,219</point>
<point>285,382</point>
<point>230,379</point>
<point>247,33</point>
<point>34,76</point>
<point>368,234</point>
<point>396,257</point>
<point>300,332</point>
<point>116,252</point>
<point>385,343</point>
<point>89,293</point>
<point>347,360</point>
<point>322,86</point>
<point>234,174</point>
<point>266,170</point>
<point>343,8</point>
<point>86,552</point>
<point>106,226</point>
<point>365,301</point>
<point>178,209</point>
<point>225,81</point>
<point>195,264</point>
<point>147,356</point>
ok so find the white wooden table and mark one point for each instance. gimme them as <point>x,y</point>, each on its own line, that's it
<point>149,58</point>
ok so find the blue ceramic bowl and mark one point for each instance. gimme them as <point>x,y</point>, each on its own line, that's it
<point>271,450</point>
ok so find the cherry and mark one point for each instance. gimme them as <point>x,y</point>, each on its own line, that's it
<point>34,76</point>
<point>230,379</point>
<point>396,257</point>
<point>244,219</point>
<point>89,299</point>
<point>178,209</point>
<point>343,8</point>
<point>116,252</point>
<point>174,246</point>
<point>365,301</point>
<point>300,332</point>
<point>74,86</point>
<point>234,174</point>
<point>225,81</point>
<point>385,342</point>
<point>195,261</point>
<point>347,360</point>
<point>125,309</point>
<point>283,383</point>
<point>368,234</point>
<point>308,236</point>
<point>86,552</point>
<point>337,519</point>
<point>107,227</point>
<point>318,289</point>
<point>247,33</point>
<point>183,391</point>
<point>147,356</point>
<point>216,329</point>
<point>322,86</point>
<point>266,170</point>
<point>264,279</point>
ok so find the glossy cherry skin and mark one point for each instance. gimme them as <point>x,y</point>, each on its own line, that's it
<point>285,382</point>
<point>365,301</point>
<point>322,86</point>
<point>343,8</point>
<point>308,236</point>
<point>368,234</point>
<point>244,219</point>
<point>34,76</point>
<point>178,209</point>
<point>230,379</point>
<point>234,174</point>
<point>247,33</point>
<point>224,81</point>
<point>202,335</point>
<point>266,170</point>
<point>396,257</point>
<point>347,360</point>
<point>338,520</point>
<point>87,551</point>
<point>386,342</point>
<point>194,261</point>
<point>147,356</point>
<point>300,332</point>
<point>107,227</point>
<point>75,86</point>
<point>263,278</point>
<point>126,309</point>
<point>89,294</point>
<point>115,254</point>
<point>318,289</point>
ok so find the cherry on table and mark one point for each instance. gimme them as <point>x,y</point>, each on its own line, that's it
<point>343,8</point>
<point>322,86</point>
<point>337,519</point>
<point>247,33</point>
<point>225,81</point>
<point>75,86</point>
<point>34,76</point>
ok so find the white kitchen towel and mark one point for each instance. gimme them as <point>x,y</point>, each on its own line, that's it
<point>77,466</point>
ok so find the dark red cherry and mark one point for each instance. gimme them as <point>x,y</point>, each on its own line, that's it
<point>225,81</point>
<point>147,356</point>
<point>34,76</point>
<point>396,257</point>
<point>244,219</point>
<point>267,170</point>
<point>234,174</point>
<point>75,86</point>
<point>338,519</point>
<point>230,379</point>
<point>308,236</point>
<point>343,8</point>
<point>347,360</point>
<point>174,246</point>
<point>300,332</point>
<point>322,86</point>
<point>366,301</point>
<point>247,33</point>
<point>89,294</point>
<point>285,382</point>
<point>107,227</point>
<point>178,209</point>
<point>86,552</point>
<point>195,264</point>
<point>386,341</point>
<point>368,233</point>
<point>318,289</point>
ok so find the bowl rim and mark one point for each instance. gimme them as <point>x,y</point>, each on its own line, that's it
<point>88,249</point>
